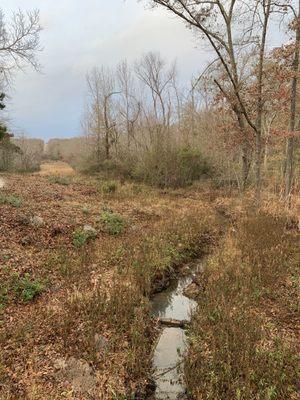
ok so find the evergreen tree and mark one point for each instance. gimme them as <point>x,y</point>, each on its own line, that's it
<point>3,129</point>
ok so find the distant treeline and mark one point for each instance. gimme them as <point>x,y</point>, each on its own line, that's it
<point>25,155</point>
<point>21,154</point>
<point>65,149</point>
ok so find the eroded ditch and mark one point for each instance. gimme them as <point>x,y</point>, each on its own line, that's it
<point>174,309</point>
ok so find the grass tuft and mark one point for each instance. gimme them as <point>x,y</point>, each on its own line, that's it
<point>11,200</point>
<point>60,180</point>
<point>81,237</point>
<point>109,187</point>
<point>27,289</point>
<point>114,224</point>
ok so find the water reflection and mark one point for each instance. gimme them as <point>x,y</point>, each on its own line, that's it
<point>169,353</point>
<point>167,362</point>
<point>171,303</point>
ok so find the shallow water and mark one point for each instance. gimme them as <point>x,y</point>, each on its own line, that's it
<point>171,303</point>
<point>171,347</point>
<point>168,370</point>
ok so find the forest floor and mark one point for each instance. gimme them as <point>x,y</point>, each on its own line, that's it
<point>79,259</point>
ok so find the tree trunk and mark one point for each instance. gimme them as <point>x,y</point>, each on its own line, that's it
<point>107,128</point>
<point>246,163</point>
<point>258,162</point>
<point>246,153</point>
<point>174,323</point>
<point>260,103</point>
<point>107,145</point>
<point>289,161</point>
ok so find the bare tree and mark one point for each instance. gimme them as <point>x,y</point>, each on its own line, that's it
<point>100,121</point>
<point>216,22</point>
<point>154,74</point>
<point>264,17</point>
<point>129,105</point>
<point>289,162</point>
<point>19,42</point>
<point>109,124</point>
<point>93,121</point>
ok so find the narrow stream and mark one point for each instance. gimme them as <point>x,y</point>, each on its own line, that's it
<point>172,344</point>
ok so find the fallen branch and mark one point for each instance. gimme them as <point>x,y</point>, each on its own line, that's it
<point>174,323</point>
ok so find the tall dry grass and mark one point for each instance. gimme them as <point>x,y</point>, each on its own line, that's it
<point>240,348</point>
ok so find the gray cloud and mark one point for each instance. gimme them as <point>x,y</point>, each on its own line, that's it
<point>79,35</point>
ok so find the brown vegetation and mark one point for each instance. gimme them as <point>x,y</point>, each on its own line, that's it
<point>244,336</point>
<point>68,293</point>
<point>161,174</point>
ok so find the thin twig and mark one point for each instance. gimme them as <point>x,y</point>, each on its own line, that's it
<point>169,369</point>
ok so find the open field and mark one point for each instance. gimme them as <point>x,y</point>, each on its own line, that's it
<point>82,259</point>
<point>70,293</point>
<point>56,168</point>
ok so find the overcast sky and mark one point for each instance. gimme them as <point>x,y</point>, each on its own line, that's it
<point>79,35</point>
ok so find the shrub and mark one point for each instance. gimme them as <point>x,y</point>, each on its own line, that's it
<point>3,296</point>
<point>27,289</point>
<point>108,165</point>
<point>167,167</point>
<point>114,223</point>
<point>192,164</point>
<point>3,199</point>
<point>109,187</point>
<point>82,236</point>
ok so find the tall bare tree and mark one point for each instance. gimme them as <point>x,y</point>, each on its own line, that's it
<point>158,78</point>
<point>19,45</point>
<point>264,17</point>
<point>289,162</point>
<point>216,22</point>
<point>100,121</point>
<point>19,42</point>
<point>129,104</point>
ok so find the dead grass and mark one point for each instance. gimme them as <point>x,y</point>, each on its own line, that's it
<point>59,168</point>
<point>244,336</point>
<point>98,290</point>
<point>92,302</point>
